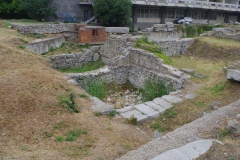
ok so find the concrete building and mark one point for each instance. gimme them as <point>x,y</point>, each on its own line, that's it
<point>145,13</point>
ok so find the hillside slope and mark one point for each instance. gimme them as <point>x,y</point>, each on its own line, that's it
<point>32,121</point>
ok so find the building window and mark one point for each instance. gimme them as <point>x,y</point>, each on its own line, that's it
<point>213,16</point>
<point>170,14</point>
<point>193,14</point>
<point>154,13</point>
<point>143,12</point>
<point>201,15</point>
<point>180,13</point>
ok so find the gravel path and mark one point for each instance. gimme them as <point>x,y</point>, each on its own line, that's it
<point>185,134</point>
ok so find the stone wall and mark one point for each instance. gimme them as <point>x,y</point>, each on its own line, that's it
<point>168,37</point>
<point>176,47</point>
<point>44,45</point>
<point>224,33</point>
<point>73,60</point>
<point>135,65</point>
<point>92,34</point>
<point>45,28</point>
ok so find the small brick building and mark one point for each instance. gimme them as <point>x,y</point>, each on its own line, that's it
<point>91,34</point>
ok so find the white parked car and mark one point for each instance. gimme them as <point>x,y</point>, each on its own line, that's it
<point>183,20</point>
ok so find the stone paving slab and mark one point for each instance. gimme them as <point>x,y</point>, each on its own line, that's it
<point>101,107</point>
<point>125,109</point>
<point>190,96</point>
<point>144,109</point>
<point>172,99</point>
<point>162,103</point>
<point>187,152</point>
<point>155,106</point>
<point>140,117</point>
<point>153,115</point>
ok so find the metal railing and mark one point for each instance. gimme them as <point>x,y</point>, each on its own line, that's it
<point>89,20</point>
<point>189,3</point>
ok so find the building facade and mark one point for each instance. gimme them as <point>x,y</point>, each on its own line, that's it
<point>145,13</point>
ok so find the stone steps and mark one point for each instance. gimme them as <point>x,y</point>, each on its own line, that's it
<point>149,110</point>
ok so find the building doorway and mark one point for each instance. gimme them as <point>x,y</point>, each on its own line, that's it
<point>85,15</point>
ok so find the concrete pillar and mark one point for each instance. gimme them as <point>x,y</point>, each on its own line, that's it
<point>134,17</point>
<point>207,16</point>
<point>226,16</point>
<point>163,15</point>
<point>238,19</point>
<point>186,13</point>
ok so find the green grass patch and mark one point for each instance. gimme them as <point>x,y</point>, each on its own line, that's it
<point>84,68</point>
<point>59,139</point>
<point>219,87</point>
<point>154,88</point>
<point>161,123</point>
<point>74,134</point>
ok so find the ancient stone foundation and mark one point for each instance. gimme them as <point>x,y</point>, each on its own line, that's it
<point>125,63</point>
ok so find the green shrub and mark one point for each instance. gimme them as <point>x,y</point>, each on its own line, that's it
<point>191,31</point>
<point>154,88</point>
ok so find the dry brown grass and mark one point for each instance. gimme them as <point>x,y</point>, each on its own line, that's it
<point>30,109</point>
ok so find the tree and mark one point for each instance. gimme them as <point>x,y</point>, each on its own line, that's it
<point>9,8</point>
<point>37,9</point>
<point>115,13</point>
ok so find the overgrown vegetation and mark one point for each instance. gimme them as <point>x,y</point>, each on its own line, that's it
<point>74,134</point>
<point>84,68</point>
<point>196,30</point>
<point>154,88</point>
<point>143,43</point>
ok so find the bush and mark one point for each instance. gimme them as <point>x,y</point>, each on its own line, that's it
<point>191,31</point>
<point>69,102</point>
<point>115,13</point>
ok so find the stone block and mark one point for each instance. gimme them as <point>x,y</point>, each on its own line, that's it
<point>234,127</point>
<point>157,134</point>
<point>155,106</point>
<point>140,117</point>
<point>125,109</point>
<point>95,48</point>
<point>190,96</point>
<point>101,107</point>
<point>162,103</point>
<point>188,71</point>
<point>145,109</point>
<point>172,99</point>
<point>117,30</point>
<point>96,57</point>
<point>233,74</point>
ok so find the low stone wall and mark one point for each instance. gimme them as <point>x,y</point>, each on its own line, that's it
<point>44,45</point>
<point>224,33</point>
<point>73,60</point>
<point>44,28</point>
<point>176,47</point>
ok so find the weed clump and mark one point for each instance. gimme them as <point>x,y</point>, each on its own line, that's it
<point>132,120</point>
<point>69,102</point>
<point>74,134</point>
<point>153,89</point>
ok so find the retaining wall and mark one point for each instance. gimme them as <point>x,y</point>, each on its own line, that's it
<point>44,45</point>
<point>224,33</point>
<point>44,28</point>
<point>73,60</point>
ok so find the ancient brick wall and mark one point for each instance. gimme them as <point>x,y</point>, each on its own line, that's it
<point>92,35</point>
